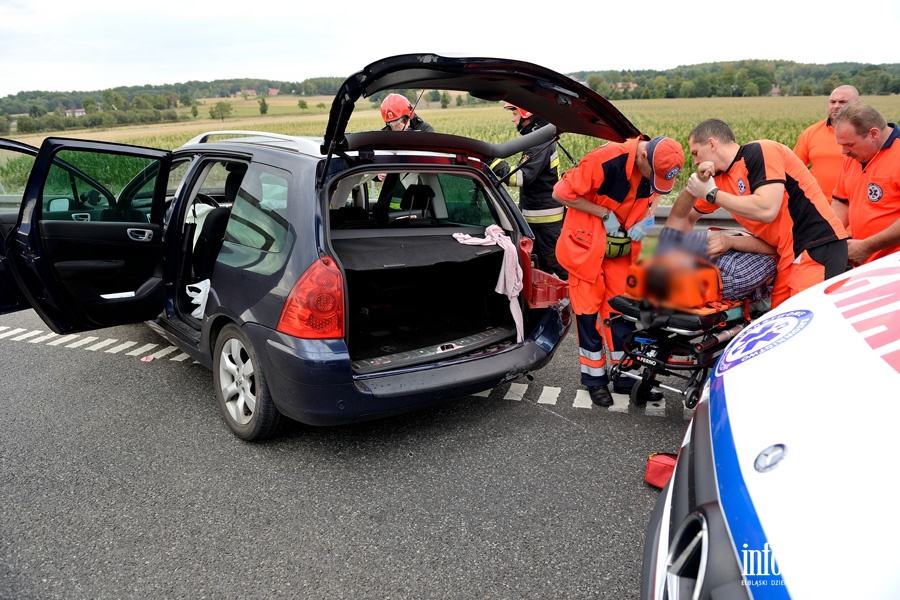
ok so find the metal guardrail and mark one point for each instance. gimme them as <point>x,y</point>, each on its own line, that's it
<point>10,203</point>
<point>719,218</point>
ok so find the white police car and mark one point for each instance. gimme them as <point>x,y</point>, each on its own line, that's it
<point>784,481</point>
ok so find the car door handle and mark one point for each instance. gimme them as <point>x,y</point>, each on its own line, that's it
<point>140,235</point>
<point>81,216</point>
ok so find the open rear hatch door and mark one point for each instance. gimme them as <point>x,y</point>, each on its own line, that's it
<point>560,100</point>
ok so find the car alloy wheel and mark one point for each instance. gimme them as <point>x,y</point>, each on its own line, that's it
<point>241,390</point>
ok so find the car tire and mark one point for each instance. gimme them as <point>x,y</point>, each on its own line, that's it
<point>241,390</point>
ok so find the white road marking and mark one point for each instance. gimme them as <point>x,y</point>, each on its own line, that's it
<point>63,339</point>
<point>620,403</point>
<point>142,350</point>
<point>655,409</point>
<point>549,395</point>
<point>120,347</point>
<point>83,342</point>
<point>516,391</point>
<point>43,338</point>
<point>101,345</point>
<point>25,336</point>
<point>582,399</point>
<point>164,352</point>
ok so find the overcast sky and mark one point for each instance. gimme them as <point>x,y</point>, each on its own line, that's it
<point>82,45</point>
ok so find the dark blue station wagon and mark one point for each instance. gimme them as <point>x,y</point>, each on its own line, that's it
<point>260,255</point>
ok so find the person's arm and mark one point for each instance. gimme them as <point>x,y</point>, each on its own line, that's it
<point>583,205</point>
<point>842,210</point>
<point>683,217</point>
<point>762,205</point>
<point>719,242</point>
<point>860,250</point>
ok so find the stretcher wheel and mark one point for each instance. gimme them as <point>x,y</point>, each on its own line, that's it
<point>640,392</point>
<point>691,396</point>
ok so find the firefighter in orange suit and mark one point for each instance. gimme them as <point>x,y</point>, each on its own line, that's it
<point>612,191</point>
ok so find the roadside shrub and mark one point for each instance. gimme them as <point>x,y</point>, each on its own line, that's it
<point>27,125</point>
<point>14,173</point>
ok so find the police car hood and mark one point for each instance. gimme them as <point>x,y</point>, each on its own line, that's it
<point>570,106</point>
<point>804,410</point>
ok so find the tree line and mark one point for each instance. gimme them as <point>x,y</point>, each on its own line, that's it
<point>744,78</point>
<point>43,110</point>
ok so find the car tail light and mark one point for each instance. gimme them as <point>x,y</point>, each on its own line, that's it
<point>315,306</point>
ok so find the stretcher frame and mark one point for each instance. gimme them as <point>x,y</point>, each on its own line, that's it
<point>678,344</point>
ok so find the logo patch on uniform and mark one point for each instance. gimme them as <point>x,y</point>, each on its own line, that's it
<point>875,192</point>
<point>763,336</point>
<point>672,173</point>
<point>742,187</point>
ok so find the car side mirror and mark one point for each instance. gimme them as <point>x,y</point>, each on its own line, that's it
<point>58,204</point>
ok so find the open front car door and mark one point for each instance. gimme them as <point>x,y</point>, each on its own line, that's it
<point>87,250</point>
<point>16,160</point>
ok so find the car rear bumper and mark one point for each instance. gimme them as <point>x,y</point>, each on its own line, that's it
<point>311,381</point>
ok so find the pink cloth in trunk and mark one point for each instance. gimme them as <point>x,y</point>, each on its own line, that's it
<point>510,281</point>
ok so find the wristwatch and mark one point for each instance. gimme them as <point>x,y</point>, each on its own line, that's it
<point>711,195</point>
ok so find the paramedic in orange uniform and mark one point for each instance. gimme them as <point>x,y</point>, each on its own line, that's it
<point>771,193</point>
<point>816,146</point>
<point>867,194</point>
<point>613,189</point>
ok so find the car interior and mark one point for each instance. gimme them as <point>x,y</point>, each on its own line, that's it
<point>420,199</point>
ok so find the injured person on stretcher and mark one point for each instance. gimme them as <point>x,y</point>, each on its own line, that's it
<point>686,302</point>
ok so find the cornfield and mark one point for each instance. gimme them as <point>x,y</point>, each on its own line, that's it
<point>778,118</point>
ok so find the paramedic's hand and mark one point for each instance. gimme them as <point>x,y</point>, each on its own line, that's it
<point>717,245</point>
<point>611,224</point>
<point>698,188</point>
<point>636,232</point>
<point>705,170</point>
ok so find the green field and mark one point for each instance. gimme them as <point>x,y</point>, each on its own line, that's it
<point>778,118</point>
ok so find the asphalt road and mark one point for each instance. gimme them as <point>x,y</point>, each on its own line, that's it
<point>119,479</point>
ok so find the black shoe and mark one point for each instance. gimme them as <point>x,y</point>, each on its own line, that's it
<point>600,395</point>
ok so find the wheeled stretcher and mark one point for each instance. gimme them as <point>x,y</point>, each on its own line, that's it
<point>681,344</point>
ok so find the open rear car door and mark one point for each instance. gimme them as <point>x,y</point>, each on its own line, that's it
<point>86,250</point>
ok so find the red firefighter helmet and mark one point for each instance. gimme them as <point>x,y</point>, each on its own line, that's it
<point>522,112</point>
<point>395,107</point>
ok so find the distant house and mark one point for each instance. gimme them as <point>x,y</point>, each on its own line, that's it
<point>249,93</point>
<point>273,91</point>
<point>75,112</point>
<point>621,86</point>
<point>775,91</point>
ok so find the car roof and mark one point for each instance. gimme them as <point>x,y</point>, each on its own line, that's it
<point>309,146</point>
<point>560,100</point>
